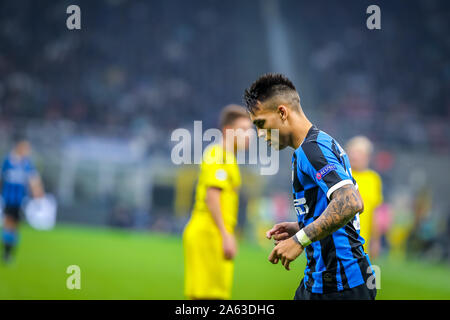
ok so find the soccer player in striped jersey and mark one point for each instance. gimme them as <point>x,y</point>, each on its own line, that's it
<point>326,198</point>
<point>18,177</point>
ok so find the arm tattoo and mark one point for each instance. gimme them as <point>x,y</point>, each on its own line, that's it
<point>345,203</point>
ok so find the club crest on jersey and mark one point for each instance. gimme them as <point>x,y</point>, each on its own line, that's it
<point>325,170</point>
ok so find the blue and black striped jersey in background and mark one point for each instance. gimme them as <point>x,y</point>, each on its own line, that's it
<point>319,167</point>
<point>16,174</point>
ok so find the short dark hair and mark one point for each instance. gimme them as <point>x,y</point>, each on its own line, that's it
<point>265,87</point>
<point>230,113</point>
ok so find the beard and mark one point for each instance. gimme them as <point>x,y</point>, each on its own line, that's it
<point>276,145</point>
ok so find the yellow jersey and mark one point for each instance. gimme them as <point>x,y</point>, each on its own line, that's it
<point>208,275</point>
<point>370,188</point>
<point>218,169</point>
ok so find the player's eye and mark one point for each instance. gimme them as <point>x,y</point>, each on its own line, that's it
<point>259,123</point>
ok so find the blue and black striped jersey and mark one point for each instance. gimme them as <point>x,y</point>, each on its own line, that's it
<point>16,173</point>
<point>319,167</point>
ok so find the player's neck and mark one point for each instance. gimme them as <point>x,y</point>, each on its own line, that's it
<point>229,147</point>
<point>300,128</point>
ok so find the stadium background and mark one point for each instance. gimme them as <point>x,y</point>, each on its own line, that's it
<point>99,105</point>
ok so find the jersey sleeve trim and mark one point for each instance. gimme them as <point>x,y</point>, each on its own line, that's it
<point>337,186</point>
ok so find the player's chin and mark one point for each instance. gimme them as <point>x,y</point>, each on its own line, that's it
<point>277,146</point>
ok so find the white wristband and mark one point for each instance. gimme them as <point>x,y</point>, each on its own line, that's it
<point>303,238</point>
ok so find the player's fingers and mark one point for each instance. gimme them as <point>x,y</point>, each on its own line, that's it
<point>283,260</point>
<point>273,256</point>
<point>286,264</point>
<point>281,236</point>
<point>229,253</point>
<point>274,229</point>
<point>269,233</point>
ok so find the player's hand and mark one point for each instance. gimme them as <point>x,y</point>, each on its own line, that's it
<point>282,231</point>
<point>229,245</point>
<point>286,251</point>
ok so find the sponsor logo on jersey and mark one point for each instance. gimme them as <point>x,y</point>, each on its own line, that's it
<point>325,170</point>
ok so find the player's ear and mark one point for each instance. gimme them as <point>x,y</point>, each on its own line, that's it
<point>282,112</point>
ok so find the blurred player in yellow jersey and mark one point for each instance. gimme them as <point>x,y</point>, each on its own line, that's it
<point>208,239</point>
<point>359,150</point>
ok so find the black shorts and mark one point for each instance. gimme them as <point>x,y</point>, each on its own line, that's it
<point>12,212</point>
<point>361,292</point>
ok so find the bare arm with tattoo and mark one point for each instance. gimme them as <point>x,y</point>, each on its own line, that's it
<point>345,203</point>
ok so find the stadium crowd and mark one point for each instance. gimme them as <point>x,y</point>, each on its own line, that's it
<point>139,60</point>
<point>147,68</point>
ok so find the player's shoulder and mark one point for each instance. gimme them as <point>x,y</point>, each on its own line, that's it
<point>9,158</point>
<point>314,144</point>
<point>216,155</point>
<point>213,154</point>
<point>373,174</point>
<point>5,161</point>
<point>8,161</point>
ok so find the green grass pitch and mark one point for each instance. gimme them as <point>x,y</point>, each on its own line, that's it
<point>141,265</point>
